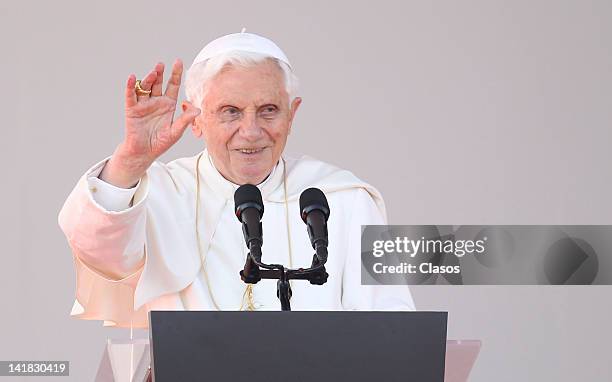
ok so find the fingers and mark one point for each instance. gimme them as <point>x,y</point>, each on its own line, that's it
<point>187,117</point>
<point>147,84</point>
<point>174,83</point>
<point>154,81</point>
<point>156,90</point>
<point>130,94</point>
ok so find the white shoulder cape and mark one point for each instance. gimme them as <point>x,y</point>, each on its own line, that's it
<point>164,207</point>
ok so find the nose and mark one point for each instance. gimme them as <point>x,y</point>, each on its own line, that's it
<point>249,127</point>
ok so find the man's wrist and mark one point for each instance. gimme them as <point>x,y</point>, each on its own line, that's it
<point>123,171</point>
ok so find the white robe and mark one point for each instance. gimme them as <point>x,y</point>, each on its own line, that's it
<point>145,257</point>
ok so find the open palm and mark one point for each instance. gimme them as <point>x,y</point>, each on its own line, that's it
<point>150,128</point>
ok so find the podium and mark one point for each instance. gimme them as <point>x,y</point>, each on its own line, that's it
<point>125,361</point>
<point>296,346</point>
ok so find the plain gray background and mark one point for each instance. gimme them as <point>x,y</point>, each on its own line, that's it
<point>460,112</point>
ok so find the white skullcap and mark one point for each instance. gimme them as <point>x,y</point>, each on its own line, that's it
<point>247,42</point>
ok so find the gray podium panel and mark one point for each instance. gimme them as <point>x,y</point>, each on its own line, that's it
<point>297,346</point>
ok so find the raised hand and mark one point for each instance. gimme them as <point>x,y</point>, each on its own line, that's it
<point>150,127</point>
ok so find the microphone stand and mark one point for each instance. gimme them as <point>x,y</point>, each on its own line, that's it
<point>255,270</point>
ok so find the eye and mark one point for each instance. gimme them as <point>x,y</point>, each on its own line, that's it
<point>230,113</point>
<point>230,110</point>
<point>268,111</point>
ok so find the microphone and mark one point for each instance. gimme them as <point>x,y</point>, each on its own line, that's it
<point>249,210</point>
<point>315,212</point>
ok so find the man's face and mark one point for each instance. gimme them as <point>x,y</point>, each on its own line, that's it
<point>246,118</point>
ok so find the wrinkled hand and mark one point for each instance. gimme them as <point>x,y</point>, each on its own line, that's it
<point>150,127</point>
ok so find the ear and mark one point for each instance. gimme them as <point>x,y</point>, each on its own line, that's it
<point>295,105</point>
<point>196,126</point>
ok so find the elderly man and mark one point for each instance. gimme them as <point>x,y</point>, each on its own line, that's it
<point>152,236</point>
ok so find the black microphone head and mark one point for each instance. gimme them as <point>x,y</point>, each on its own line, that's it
<point>313,199</point>
<point>247,196</point>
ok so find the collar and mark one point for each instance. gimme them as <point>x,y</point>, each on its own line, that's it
<point>223,187</point>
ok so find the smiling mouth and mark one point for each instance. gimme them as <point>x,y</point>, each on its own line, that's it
<point>250,151</point>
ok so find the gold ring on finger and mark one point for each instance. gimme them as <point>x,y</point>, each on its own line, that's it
<point>139,90</point>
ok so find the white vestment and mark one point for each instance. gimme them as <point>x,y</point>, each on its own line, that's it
<point>145,257</point>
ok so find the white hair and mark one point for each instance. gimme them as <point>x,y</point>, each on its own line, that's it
<point>199,74</point>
